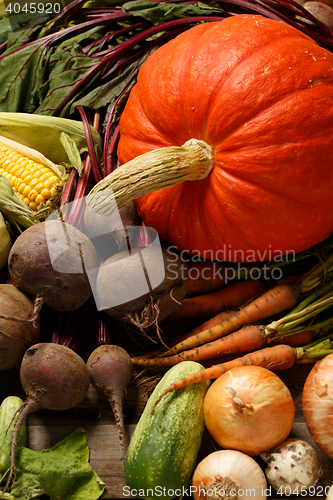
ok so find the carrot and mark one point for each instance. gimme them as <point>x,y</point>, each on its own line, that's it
<point>298,339</point>
<point>207,276</point>
<point>160,351</point>
<point>279,357</point>
<point>274,301</point>
<point>226,298</point>
<point>295,340</point>
<point>247,339</point>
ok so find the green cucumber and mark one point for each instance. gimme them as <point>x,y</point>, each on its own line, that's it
<point>164,446</point>
<point>8,409</point>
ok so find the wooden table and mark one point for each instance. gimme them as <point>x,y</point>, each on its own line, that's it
<point>46,428</point>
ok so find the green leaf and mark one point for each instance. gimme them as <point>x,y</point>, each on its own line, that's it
<point>62,472</point>
<point>18,75</point>
<point>160,12</point>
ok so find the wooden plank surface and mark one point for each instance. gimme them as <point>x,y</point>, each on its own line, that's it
<point>47,428</point>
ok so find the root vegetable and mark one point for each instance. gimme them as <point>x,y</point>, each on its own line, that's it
<point>280,298</point>
<point>224,299</point>
<point>110,368</point>
<point>293,466</point>
<point>50,260</point>
<point>15,336</point>
<point>113,231</point>
<point>142,287</point>
<point>54,378</point>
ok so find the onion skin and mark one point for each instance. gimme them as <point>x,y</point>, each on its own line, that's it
<point>317,403</point>
<point>249,409</point>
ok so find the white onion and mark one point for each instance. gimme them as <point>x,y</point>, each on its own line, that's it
<point>228,474</point>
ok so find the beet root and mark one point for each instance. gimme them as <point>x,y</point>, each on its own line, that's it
<point>54,378</point>
<point>50,261</point>
<point>15,336</point>
<point>113,232</point>
<point>111,368</point>
<point>141,287</point>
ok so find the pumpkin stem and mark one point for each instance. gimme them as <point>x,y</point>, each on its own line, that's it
<point>158,169</point>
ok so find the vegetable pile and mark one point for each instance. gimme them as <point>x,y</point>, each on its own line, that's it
<point>166,215</point>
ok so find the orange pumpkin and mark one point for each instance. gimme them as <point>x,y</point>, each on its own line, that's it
<point>259,93</point>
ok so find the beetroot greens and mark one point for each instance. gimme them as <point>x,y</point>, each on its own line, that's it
<point>54,378</point>
<point>111,368</point>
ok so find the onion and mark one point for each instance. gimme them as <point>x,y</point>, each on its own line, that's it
<point>249,409</point>
<point>292,467</point>
<point>317,403</point>
<point>228,474</point>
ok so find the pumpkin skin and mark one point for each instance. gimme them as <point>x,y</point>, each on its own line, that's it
<point>260,93</point>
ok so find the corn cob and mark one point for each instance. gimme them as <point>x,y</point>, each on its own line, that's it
<point>36,184</point>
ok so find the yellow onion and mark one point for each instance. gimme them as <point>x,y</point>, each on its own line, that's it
<point>317,403</point>
<point>249,409</point>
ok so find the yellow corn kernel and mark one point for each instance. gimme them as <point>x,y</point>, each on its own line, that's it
<point>26,192</point>
<point>39,199</point>
<point>34,182</point>
<point>21,188</point>
<point>33,205</point>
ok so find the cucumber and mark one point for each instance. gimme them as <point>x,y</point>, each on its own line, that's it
<point>164,446</point>
<point>8,409</point>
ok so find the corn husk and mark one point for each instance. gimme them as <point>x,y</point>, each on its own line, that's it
<point>5,242</point>
<point>15,211</point>
<point>52,141</point>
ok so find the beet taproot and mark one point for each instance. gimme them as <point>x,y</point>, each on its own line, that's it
<point>111,369</point>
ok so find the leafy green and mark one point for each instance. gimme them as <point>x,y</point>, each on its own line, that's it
<point>160,12</point>
<point>61,472</point>
<point>20,75</point>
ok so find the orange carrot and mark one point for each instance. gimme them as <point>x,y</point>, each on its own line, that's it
<point>274,301</point>
<point>207,276</point>
<point>279,357</point>
<point>247,339</point>
<point>211,322</point>
<point>226,298</point>
<point>295,340</point>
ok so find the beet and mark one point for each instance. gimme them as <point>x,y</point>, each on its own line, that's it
<point>15,336</point>
<point>111,368</point>
<point>54,378</point>
<point>51,261</point>
<point>141,287</point>
<point>112,232</point>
